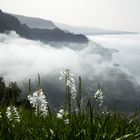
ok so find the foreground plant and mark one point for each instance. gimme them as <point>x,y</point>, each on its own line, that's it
<point>86,124</point>
<point>99,95</point>
<point>69,81</point>
<point>39,102</point>
<point>62,115</point>
<point>12,115</point>
<point>70,87</point>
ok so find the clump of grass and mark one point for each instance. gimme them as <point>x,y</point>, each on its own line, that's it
<point>80,123</point>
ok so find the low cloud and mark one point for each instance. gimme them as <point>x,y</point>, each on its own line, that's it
<point>22,59</point>
<point>129,49</point>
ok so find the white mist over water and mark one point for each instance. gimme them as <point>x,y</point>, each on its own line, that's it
<point>128,56</point>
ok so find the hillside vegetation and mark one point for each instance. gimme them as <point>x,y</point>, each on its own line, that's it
<point>33,118</point>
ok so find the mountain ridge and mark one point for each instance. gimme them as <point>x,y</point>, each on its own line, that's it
<point>30,21</point>
<point>9,22</point>
<point>33,22</point>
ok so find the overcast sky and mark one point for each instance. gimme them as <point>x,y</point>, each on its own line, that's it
<point>108,14</point>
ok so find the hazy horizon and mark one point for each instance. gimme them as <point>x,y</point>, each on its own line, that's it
<point>109,14</point>
<point>128,51</point>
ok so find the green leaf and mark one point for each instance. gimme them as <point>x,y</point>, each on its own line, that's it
<point>124,137</point>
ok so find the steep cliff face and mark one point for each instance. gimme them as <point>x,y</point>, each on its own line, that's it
<point>56,35</point>
<point>9,22</point>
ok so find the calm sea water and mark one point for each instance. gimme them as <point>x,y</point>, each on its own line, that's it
<point>128,56</point>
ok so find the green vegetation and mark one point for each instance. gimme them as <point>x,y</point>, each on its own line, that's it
<point>35,120</point>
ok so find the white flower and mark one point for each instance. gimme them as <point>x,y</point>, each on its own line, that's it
<point>12,114</point>
<point>66,75</point>
<point>38,101</point>
<point>60,114</point>
<point>99,96</point>
<point>66,121</point>
<point>61,111</point>
<point>73,91</point>
<point>68,83</point>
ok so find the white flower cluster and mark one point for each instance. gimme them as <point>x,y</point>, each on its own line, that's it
<point>99,96</point>
<point>63,115</point>
<point>38,101</point>
<point>60,114</point>
<point>66,75</point>
<point>12,114</point>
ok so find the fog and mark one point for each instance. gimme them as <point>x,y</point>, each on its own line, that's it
<point>21,59</point>
<point>129,51</point>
